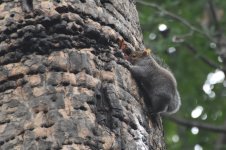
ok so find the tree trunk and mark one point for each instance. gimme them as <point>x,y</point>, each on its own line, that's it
<point>60,84</point>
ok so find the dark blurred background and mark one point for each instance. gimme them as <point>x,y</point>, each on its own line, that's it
<point>190,37</point>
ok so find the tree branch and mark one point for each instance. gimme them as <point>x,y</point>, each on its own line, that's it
<point>220,37</point>
<point>176,17</point>
<point>189,123</point>
<point>214,15</point>
<point>221,141</point>
<point>203,58</point>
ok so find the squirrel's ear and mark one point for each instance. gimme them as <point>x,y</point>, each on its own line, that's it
<point>145,53</point>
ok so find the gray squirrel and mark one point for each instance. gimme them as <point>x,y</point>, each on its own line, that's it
<point>159,84</point>
<point>27,5</point>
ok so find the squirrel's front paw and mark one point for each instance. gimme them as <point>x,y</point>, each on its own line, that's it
<point>124,63</point>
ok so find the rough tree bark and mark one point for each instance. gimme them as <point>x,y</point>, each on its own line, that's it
<point>60,84</point>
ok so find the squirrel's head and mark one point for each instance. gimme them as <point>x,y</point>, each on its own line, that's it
<point>136,55</point>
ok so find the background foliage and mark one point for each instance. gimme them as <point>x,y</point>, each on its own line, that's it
<point>189,45</point>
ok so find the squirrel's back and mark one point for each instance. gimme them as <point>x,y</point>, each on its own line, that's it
<point>158,83</point>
